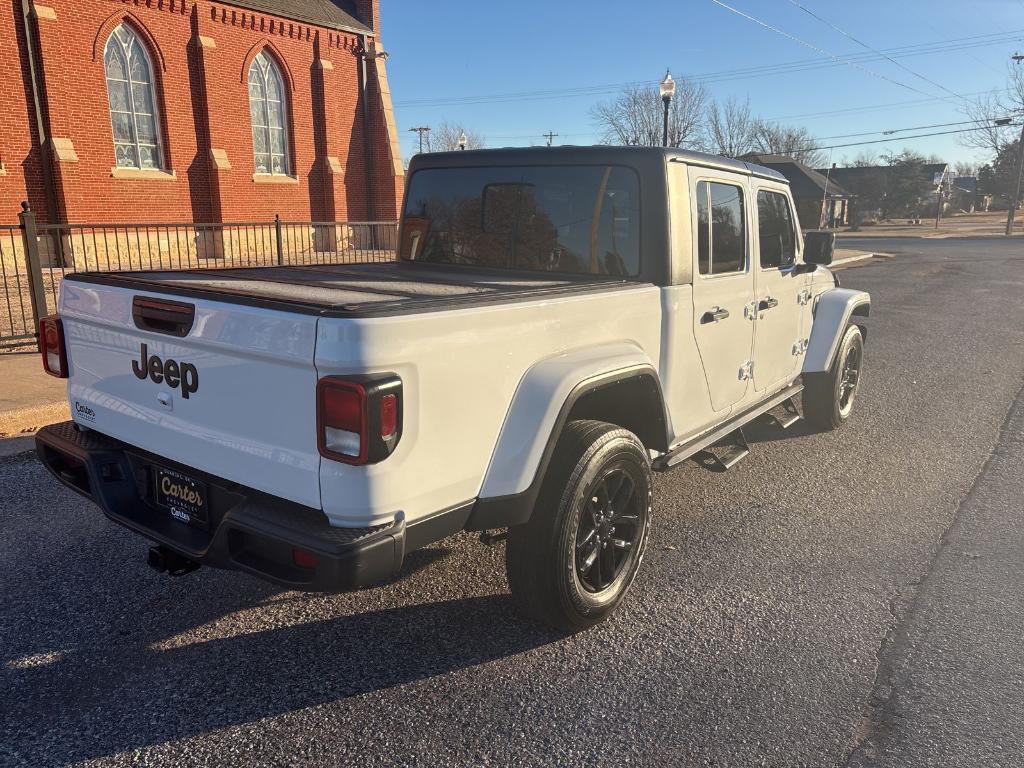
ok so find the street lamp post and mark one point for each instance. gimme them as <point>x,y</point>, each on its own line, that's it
<point>1020,170</point>
<point>668,90</point>
<point>463,141</point>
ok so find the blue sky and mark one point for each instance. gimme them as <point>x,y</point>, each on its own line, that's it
<point>444,52</point>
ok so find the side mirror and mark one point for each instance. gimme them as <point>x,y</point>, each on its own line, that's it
<point>819,248</point>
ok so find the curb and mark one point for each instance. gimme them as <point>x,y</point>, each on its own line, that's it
<point>852,259</point>
<point>13,447</point>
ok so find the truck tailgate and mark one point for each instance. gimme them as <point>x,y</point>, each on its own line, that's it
<point>234,396</point>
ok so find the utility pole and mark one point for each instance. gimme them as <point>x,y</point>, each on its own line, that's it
<point>550,137</point>
<point>1020,170</point>
<point>422,130</point>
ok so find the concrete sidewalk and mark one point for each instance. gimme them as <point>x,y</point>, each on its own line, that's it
<point>844,256</point>
<point>24,385</point>
<point>960,225</point>
<point>29,400</point>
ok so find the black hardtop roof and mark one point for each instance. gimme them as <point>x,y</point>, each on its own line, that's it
<point>646,158</point>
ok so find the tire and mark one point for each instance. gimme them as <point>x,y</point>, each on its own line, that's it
<point>829,397</point>
<point>574,521</point>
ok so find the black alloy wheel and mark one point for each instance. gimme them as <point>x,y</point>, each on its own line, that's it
<point>850,377</point>
<point>573,561</point>
<point>608,530</point>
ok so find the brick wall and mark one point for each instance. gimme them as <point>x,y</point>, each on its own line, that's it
<point>20,177</point>
<point>200,52</point>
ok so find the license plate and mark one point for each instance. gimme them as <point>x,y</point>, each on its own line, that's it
<point>181,495</point>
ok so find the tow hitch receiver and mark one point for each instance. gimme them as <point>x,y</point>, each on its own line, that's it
<point>164,560</point>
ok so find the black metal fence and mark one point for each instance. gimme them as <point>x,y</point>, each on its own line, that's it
<point>35,257</point>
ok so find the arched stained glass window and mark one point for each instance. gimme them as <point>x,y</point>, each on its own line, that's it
<point>267,107</point>
<point>132,97</point>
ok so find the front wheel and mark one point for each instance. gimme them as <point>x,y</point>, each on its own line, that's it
<point>829,397</point>
<point>571,564</point>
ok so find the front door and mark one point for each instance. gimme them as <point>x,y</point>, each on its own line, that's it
<point>723,285</point>
<point>780,291</point>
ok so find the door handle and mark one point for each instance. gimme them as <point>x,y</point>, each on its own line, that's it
<point>714,315</point>
<point>766,304</point>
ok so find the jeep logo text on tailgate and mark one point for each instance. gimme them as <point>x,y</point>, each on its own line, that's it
<point>170,372</point>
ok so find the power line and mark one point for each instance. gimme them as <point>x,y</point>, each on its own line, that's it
<point>884,131</point>
<point>949,45</point>
<point>900,138</point>
<point>889,131</point>
<point>862,44</point>
<point>924,21</point>
<point>872,107</point>
<point>813,47</point>
<point>935,46</point>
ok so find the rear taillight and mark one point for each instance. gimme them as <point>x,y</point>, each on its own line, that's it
<point>388,415</point>
<point>51,346</point>
<point>359,418</point>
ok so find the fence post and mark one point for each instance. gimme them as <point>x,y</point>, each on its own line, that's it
<point>30,237</point>
<point>280,238</point>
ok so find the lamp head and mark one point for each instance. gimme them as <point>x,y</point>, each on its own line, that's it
<point>667,87</point>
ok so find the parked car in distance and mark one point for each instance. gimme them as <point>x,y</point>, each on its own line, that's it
<point>559,324</point>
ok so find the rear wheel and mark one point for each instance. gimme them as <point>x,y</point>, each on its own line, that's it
<point>829,397</point>
<point>573,562</point>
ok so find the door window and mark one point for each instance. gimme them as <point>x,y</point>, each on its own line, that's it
<point>776,235</point>
<point>721,229</point>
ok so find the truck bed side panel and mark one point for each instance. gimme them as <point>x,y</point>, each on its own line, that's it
<point>460,371</point>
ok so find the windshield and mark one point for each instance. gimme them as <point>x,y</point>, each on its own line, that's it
<point>568,219</point>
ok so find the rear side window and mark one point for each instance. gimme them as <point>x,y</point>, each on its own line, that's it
<point>562,219</point>
<point>721,229</point>
<point>776,235</point>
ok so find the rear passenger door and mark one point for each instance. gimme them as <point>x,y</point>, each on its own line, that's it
<point>723,284</point>
<point>779,289</point>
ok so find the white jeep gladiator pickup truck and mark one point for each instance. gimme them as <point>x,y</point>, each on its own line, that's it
<point>558,323</point>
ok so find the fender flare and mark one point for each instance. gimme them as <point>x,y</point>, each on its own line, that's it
<point>539,410</point>
<point>832,313</point>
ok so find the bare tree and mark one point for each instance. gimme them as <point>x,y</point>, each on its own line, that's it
<point>635,117</point>
<point>731,128</point>
<point>791,141</point>
<point>985,110</point>
<point>865,159</point>
<point>965,168</point>
<point>445,138</point>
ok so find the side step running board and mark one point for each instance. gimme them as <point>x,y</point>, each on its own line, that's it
<point>732,453</point>
<point>695,445</point>
<point>791,417</point>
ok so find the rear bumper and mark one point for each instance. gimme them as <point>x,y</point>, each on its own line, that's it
<point>247,531</point>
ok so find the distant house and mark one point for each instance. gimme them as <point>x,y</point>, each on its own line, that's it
<point>821,202</point>
<point>874,180</point>
<point>966,196</point>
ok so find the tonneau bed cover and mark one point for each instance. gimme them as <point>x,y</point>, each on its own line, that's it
<point>354,290</point>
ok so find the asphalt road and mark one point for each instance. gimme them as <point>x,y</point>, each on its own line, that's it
<point>850,598</point>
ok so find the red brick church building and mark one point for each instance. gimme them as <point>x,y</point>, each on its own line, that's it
<point>196,111</point>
